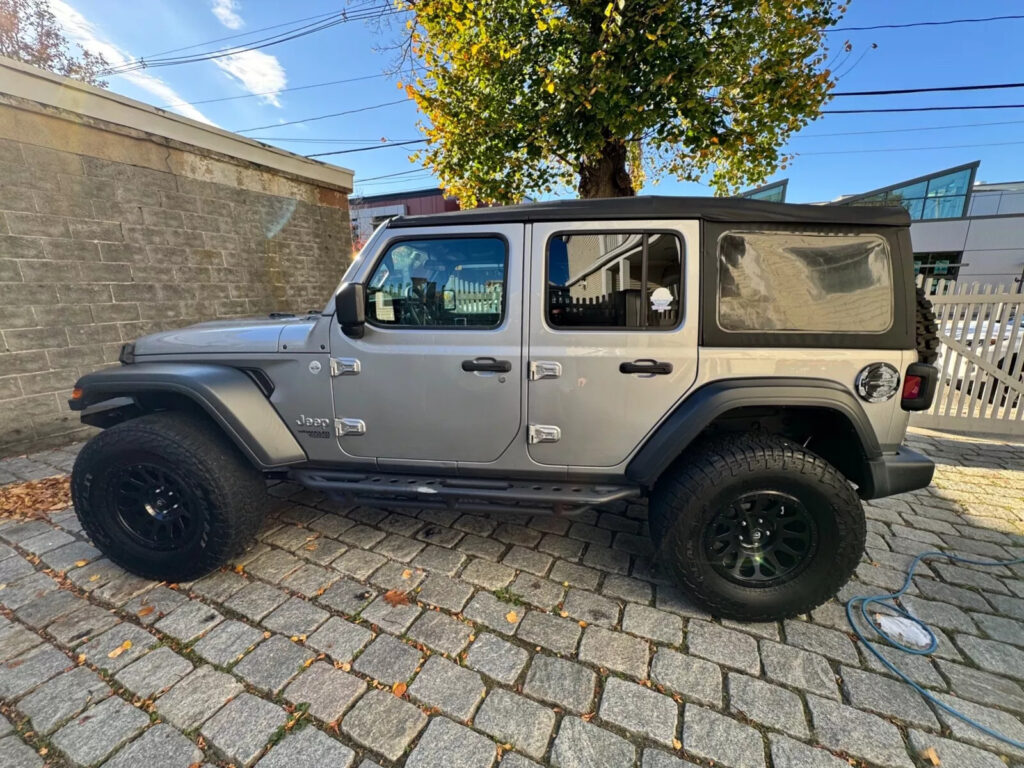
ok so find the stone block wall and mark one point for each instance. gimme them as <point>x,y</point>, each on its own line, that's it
<point>107,234</point>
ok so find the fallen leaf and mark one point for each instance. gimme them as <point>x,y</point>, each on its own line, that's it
<point>511,617</point>
<point>398,689</point>
<point>588,717</point>
<point>145,610</point>
<point>396,597</point>
<point>94,577</point>
<point>931,755</point>
<point>120,649</point>
<point>406,574</point>
<point>583,623</point>
<point>43,751</point>
<point>80,563</point>
<point>36,497</point>
<point>677,743</point>
<point>239,568</point>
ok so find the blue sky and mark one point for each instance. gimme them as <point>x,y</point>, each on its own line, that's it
<point>827,165</point>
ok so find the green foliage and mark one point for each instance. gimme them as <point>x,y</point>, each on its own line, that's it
<point>30,33</point>
<point>526,96</point>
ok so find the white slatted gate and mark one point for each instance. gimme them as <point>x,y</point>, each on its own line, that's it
<point>981,361</point>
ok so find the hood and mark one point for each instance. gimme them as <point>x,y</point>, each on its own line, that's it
<point>258,334</point>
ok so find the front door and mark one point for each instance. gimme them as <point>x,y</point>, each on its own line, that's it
<point>613,335</point>
<point>437,375</point>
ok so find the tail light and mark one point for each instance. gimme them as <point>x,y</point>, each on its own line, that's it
<point>919,387</point>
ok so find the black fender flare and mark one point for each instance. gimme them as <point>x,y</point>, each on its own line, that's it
<point>226,394</point>
<point>703,406</point>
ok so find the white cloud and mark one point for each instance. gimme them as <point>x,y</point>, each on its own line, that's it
<point>225,11</point>
<point>81,31</point>
<point>258,72</point>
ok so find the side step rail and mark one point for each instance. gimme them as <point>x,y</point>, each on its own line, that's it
<point>467,494</point>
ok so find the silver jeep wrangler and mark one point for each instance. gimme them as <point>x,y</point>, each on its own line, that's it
<point>747,367</point>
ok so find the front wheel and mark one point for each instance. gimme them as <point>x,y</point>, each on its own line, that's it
<point>167,496</point>
<point>756,528</point>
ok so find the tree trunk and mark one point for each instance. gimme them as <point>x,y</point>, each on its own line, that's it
<point>606,176</point>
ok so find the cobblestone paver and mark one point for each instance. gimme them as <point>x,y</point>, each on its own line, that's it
<point>527,642</point>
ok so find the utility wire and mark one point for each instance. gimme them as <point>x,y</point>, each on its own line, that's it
<point>244,34</point>
<point>911,149</point>
<point>924,24</point>
<point>392,175</point>
<point>344,18</point>
<point>936,89</point>
<point>323,117</point>
<point>367,149</point>
<point>906,130</point>
<point>918,109</point>
<point>282,90</point>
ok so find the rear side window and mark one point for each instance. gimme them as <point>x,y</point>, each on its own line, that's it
<point>794,281</point>
<point>614,280</point>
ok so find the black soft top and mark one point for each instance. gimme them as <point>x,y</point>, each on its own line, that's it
<point>723,209</point>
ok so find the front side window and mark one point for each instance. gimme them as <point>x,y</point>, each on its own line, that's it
<point>614,280</point>
<point>439,283</point>
<point>794,281</point>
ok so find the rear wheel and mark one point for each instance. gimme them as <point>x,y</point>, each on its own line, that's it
<point>167,496</point>
<point>756,528</point>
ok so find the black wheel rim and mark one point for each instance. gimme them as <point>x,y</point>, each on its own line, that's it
<point>154,506</point>
<point>761,539</point>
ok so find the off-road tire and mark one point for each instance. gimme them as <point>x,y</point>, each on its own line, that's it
<point>230,497</point>
<point>926,330</point>
<point>709,476</point>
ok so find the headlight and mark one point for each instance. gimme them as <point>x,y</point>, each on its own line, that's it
<point>877,382</point>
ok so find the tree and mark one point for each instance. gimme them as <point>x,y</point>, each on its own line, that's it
<point>526,96</point>
<point>30,33</point>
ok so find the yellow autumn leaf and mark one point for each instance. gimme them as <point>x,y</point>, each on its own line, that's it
<point>541,25</point>
<point>549,86</point>
<point>80,563</point>
<point>406,574</point>
<point>94,577</point>
<point>511,617</point>
<point>120,649</point>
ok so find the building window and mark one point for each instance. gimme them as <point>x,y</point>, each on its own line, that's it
<point>937,264</point>
<point>939,197</point>
<point>614,280</point>
<point>439,283</point>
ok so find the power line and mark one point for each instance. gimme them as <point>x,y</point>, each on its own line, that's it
<point>323,117</point>
<point>936,89</point>
<point>910,149</point>
<point>924,24</point>
<point>327,141</point>
<point>243,34</point>
<point>367,149</point>
<point>918,109</point>
<point>282,90</point>
<point>309,29</point>
<point>392,175</point>
<point>907,130</point>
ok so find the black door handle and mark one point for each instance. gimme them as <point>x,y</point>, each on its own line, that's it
<point>487,364</point>
<point>646,366</point>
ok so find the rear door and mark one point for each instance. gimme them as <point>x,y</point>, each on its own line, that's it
<point>612,335</point>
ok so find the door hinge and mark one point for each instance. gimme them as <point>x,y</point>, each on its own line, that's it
<point>346,427</point>
<point>544,433</point>
<point>345,366</point>
<point>544,369</point>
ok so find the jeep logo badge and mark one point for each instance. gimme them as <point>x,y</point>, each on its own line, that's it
<point>312,421</point>
<point>314,367</point>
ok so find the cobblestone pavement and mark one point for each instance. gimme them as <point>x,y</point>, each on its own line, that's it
<point>535,641</point>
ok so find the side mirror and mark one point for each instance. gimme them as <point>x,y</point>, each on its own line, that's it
<point>350,307</point>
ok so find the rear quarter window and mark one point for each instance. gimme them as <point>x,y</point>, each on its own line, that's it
<point>804,282</point>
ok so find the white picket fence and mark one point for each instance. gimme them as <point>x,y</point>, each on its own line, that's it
<point>981,362</point>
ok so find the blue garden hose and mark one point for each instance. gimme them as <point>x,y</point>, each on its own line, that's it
<point>865,601</point>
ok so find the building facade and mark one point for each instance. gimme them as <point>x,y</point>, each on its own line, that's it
<point>118,219</point>
<point>368,212</point>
